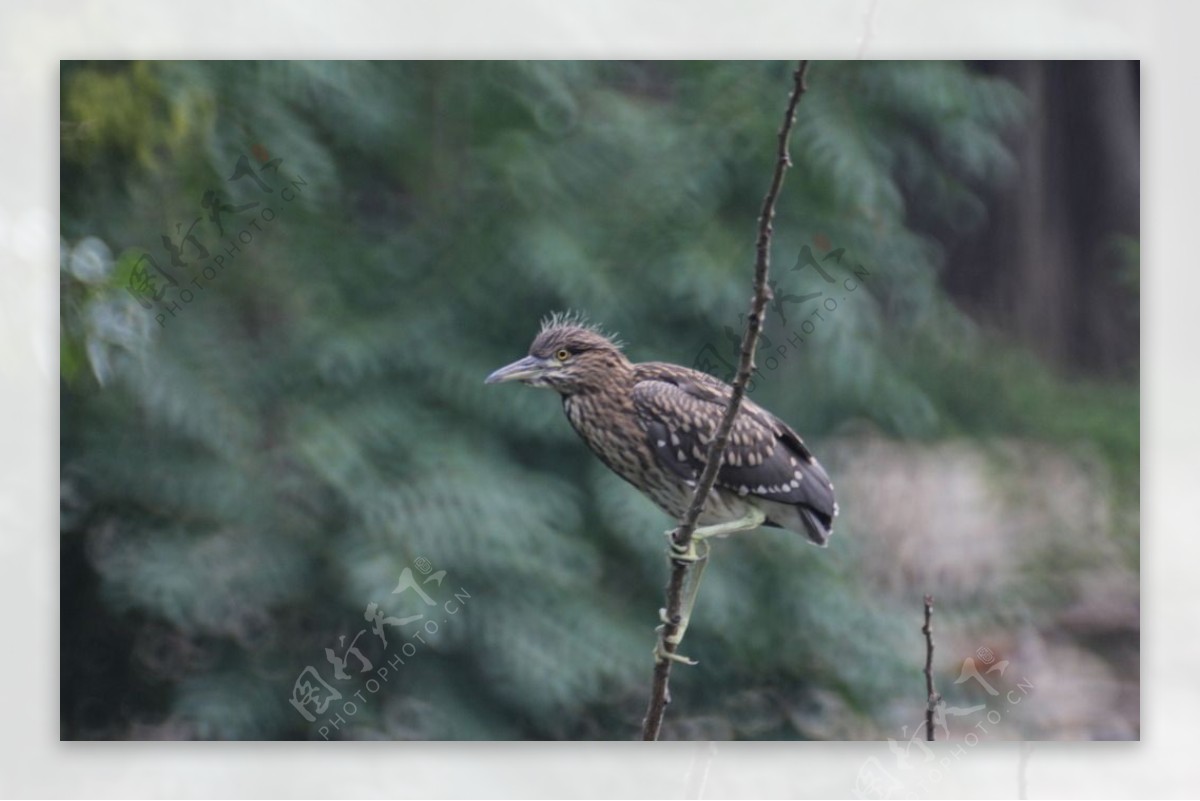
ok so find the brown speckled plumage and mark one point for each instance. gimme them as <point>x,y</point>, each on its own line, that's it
<point>651,424</point>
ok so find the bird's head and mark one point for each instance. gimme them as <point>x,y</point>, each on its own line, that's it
<point>570,357</point>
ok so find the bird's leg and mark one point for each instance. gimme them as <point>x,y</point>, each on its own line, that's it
<point>698,557</point>
<point>685,613</point>
<point>689,600</point>
<point>753,519</point>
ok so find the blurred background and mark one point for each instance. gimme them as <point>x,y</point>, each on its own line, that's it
<point>282,285</point>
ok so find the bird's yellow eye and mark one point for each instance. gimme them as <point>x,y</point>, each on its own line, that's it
<point>562,355</point>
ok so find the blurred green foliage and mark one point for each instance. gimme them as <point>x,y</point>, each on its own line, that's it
<point>244,474</point>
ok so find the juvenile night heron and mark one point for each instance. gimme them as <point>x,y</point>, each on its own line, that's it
<point>651,423</point>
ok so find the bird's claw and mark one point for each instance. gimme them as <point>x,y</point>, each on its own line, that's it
<point>661,654</point>
<point>685,554</point>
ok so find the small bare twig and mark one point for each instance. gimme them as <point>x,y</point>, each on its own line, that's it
<point>682,536</point>
<point>933,697</point>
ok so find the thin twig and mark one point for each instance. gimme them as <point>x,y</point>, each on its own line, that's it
<point>660,694</point>
<point>933,698</point>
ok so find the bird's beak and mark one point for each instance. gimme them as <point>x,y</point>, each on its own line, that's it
<point>520,370</point>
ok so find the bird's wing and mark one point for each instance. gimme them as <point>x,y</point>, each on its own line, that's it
<point>681,410</point>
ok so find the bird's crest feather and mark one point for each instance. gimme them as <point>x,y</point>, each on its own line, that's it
<point>577,319</point>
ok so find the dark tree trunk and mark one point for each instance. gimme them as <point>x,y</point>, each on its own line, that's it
<point>1052,266</point>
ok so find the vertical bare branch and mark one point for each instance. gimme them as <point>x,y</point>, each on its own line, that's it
<point>682,536</point>
<point>932,696</point>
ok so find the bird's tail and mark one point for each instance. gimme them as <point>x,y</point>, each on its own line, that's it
<point>817,526</point>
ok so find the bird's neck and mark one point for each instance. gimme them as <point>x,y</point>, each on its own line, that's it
<point>602,413</point>
<point>613,379</point>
